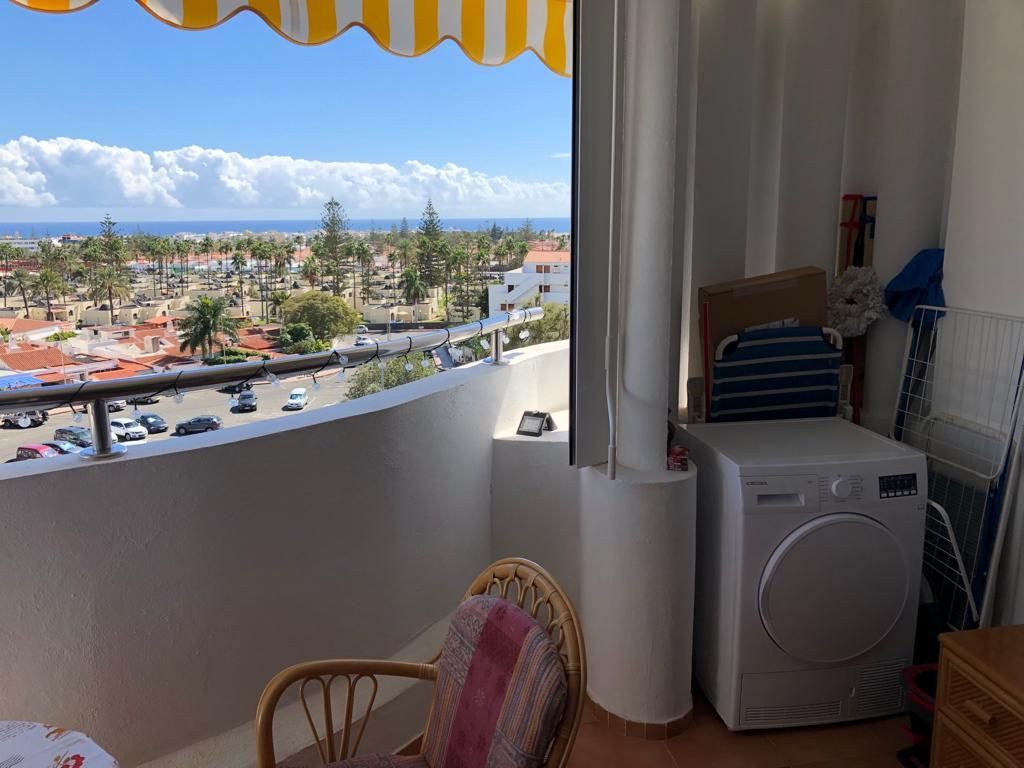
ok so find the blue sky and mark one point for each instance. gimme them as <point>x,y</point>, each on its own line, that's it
<point>123,86</point>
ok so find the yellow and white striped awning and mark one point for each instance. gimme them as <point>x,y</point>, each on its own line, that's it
<point>489,31</point>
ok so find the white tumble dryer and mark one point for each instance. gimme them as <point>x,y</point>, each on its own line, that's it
<point>809,541</point>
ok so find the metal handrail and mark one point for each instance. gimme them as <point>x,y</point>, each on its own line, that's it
<point>97,393</point>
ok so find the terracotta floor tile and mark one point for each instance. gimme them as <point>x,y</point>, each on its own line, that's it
<point>597,747</point>
<point>588,713</point>
<point>879,761</point>
<point>709,744</point>
<point>807,746</point>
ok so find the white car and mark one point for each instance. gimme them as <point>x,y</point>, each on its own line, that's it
<point>361,329</point>
<point>128,429</point>
<point>297,400</point>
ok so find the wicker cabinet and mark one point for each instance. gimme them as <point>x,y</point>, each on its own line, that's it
<point>980,702</point>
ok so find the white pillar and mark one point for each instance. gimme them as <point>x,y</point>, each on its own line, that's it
<point>650,65</point>
<point>637,537</point>
<point>637,531</point>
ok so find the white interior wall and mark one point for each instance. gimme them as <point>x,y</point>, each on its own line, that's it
<point>801,101</point>
<point>913,150</point>
<point>726,32</point>
<point>766,135</point>
<point>816,73</point>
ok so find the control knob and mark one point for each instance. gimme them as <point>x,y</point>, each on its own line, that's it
<point>841,488</point>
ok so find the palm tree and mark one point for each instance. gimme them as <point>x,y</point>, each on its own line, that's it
<point>522,248</point>
<point>69,266</point>
<point>277,298</point>
<point>20,281</point>
<point>239,263</point>
<point>364,255</point>
<point>109,283</point>
<point>7,252</point>
<point>206,321</point>
<point>413,287</point>
<point>159,250</point>
<point>183,249</point>
<point>450,261</point>
<point>206,248</point>
<point>405,251</point>
<point>311,271</point>
<point>224,248</point>
<point>48,283</point>
<point>261,254</point>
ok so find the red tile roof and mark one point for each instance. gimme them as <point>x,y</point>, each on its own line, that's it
<point>125,369</point>
<point>24,325</point>
<point>257,342</point>
<point>547,257</point>
<point>54,378</point>
<point>165,360</point>
<point>33,360</point>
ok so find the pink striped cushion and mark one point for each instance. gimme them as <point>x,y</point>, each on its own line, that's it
<point>381,761</point>
<point>500,692</point>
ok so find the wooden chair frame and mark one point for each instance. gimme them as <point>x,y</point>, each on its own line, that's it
<point>520,581</point>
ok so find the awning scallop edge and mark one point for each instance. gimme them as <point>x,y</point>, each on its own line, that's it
<point>490,32</point>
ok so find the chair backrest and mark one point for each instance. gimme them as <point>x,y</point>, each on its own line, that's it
<point>533,589</point>
<point>500,691</point>
<point>776,373</point>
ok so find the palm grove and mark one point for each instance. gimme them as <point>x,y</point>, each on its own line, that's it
<point>259,276</point>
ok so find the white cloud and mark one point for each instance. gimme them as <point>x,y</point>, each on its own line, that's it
<point>561,156</point>
<point>68,173</point>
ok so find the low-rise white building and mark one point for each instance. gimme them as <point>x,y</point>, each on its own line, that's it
<point>543,279</point>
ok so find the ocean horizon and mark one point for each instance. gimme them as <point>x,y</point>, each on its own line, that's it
<point>35,229</point>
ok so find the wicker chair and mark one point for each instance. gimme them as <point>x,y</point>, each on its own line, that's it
<point>518,581</point>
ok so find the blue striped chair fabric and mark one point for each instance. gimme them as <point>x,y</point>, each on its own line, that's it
<point>776,373</point>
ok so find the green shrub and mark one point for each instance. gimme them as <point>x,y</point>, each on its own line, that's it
<point>231,355</point>
<point>368,379</point>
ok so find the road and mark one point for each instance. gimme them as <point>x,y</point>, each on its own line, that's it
<point>196,403</point>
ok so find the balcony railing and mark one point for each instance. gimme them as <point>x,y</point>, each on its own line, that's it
<point>98,393</point>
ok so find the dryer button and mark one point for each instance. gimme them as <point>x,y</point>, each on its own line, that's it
<point>841,488</point>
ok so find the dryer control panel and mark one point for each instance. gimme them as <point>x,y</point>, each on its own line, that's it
<point>840,487</point>
<point>894,486</point>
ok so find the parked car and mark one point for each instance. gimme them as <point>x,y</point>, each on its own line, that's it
<point>152,423</point>
<point>198,424</point>
<point>79,436</point>
<point>62,447</point>
<point>247,402</point>
<point>361,329</point>
<point>235,389</point>
<point>128,429</point>
<point>34,451</point>
<point>35,419</point>
<point>143,400</point>
<point>116,405</point>
<point>297,400</point>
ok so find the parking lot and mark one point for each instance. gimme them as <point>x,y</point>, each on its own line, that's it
<point>196,403</point>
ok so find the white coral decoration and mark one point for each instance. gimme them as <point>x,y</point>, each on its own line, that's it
<point>855,301</point>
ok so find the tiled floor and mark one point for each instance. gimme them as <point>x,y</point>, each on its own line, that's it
<point>707,743</point>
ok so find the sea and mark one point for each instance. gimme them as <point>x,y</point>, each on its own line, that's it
<point>560,225</point>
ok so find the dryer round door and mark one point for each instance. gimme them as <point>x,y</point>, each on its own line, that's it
<point>834,588</point>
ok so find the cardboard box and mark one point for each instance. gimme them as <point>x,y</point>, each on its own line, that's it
<point>792,297</point>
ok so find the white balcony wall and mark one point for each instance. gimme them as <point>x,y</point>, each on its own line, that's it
<point>147,600</point>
